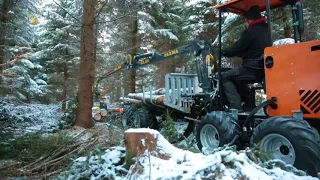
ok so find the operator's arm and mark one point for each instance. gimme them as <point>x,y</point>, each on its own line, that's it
<point>240,46</point>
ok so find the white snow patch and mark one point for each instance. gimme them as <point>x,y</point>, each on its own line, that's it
<point>186,165</point>
<point>34,87</point>
<point>31,117</point>
<point>38,66</point>
<point>100,166</point>
<point>283,41</point>
<point>166,33</point>
<point>41,82</point>
<point>142,130</point>
<point>27,63</point>
<point>195,2</point>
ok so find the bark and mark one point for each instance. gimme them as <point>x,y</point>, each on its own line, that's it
<point>135,45</point>
<point>166,66</point>
<point>287,31</point>
<point>287,27</point>
<point>87,67</point>
<point>163,68</point>
<point>3,22</point>
<point>65,86</point>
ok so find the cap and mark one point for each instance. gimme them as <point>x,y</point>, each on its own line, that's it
<point>253,13</point>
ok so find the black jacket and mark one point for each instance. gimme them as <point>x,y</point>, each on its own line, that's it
<point>250,46</point>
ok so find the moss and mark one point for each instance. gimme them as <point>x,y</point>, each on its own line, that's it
<point>128,160</point>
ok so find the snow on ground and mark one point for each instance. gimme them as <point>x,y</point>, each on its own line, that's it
<point>24,118</point>
<point>283,41</point>
<point>223,164</point>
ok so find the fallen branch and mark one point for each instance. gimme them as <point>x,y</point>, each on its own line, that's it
<point>5,167</point>
<point>51,153</point>
<point>58,155</point>
<point>52,173</point>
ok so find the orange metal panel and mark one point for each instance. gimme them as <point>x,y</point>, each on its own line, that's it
<point>241,6</point>
<point>295,78</point>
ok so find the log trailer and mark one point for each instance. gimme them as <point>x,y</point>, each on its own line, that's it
<point>289,128</point>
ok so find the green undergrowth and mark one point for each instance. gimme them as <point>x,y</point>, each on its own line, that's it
<point>168,129</point>
<point>32,146</point>
<point>189,145</point>
<point>69,116</point>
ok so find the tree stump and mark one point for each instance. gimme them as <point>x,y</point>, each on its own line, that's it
<point>137,141</point>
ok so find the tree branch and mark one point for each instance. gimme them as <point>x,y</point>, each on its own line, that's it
<point>67,12</point>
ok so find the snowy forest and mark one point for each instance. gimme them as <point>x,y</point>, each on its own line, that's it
<point>52,52</point>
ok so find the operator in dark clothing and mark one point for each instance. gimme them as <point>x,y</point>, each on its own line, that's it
<point>250,47</point>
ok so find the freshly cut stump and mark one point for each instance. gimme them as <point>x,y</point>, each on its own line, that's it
<point>137,141</point>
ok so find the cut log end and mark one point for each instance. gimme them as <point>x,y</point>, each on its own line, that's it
<point>137,142</point>
<point>103,112</point>
<point>97,117</point>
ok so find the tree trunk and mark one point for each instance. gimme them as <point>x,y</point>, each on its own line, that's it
<point>3,22</point>
<point>287,31</point>
<point>65,83</point>
<point>163,69</point>
<point>135,45</point>
<point>87,67</point>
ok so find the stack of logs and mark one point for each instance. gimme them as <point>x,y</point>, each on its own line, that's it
<point>157,97</point>
<point>98,113</point>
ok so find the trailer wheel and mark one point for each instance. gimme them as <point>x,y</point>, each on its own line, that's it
<point>142,118</point>
<point>215,130</point>
<point>291,140</point>
<point>128,116</point>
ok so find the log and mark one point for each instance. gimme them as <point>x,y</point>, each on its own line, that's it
<point>160,91</point>
<point>157,99</point>
<point>130,100</point>
<point>97,117</point>
<point>95,110</point>
<point>103,112</point>
<point>119,110</point>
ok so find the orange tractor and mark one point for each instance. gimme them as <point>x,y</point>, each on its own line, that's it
<point>288,127</point>
<point>289,131</point>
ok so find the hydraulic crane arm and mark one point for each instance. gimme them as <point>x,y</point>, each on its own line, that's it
<point>196,47</point>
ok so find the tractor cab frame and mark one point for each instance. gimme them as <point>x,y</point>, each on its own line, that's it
<point>289,129</point>
<point>240,7</point>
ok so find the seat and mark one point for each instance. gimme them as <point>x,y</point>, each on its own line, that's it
<point>250,81</point>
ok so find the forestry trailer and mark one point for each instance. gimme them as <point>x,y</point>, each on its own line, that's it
<point>289,127</point>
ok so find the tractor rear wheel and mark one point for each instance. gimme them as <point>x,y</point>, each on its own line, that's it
<point>215,130</point>
<point>291,140</point>
<point>141,118</point>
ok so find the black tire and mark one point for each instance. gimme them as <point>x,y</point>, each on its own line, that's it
<point>128,118</point>
<point>317,133</point>
<point>142,118</point>
<point>303,152</point>
<point>226,126</point>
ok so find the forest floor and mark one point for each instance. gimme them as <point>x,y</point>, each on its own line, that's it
<point>35,148</point>
<point>46,155</point>
<point>33,145</point>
